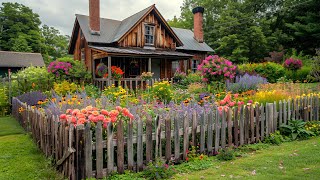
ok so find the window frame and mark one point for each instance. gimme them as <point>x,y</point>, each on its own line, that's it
<point>152,35</point>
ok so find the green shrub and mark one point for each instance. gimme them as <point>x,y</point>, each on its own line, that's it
<point>299,75</point>
<point>296,130</point>
<point>274,138</point>
<point>226,154</point>
<point>270,70</point>
<point>32,79</point>
<point>313,126</point>
<point>4,101</point>
<point>92,90</point>
<point>158,170</point>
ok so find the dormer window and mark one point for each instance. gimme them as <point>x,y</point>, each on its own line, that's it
<point>149,35</point>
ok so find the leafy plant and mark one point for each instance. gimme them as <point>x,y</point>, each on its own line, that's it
<point>4,101</point>
<point>313,126</point>
<point>274,138</point>
<point>226,154</point>
<point>296,130</point>
<point>158,170</point>
<point>92,90</point>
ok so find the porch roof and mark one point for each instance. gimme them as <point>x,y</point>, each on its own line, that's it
<point>141,52</point>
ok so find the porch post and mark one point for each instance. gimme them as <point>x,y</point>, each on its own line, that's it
<point>109,70</point>
<point>149,65</point>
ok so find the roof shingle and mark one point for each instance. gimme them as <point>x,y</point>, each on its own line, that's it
<point>20,59</point>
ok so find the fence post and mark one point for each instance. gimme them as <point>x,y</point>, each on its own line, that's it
<point>185,135</point>
<point>120,147</point>
<point>176,139</point>
<point>79,151</point>
<point>99,150</point>
<point>269,118</point>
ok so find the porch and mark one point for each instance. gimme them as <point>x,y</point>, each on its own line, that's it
<point>133,62</point>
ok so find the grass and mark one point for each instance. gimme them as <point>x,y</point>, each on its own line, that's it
<point>291,160</point>
<point>19,156</point>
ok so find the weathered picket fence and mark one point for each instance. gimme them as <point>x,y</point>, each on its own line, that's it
<point>84,151</point>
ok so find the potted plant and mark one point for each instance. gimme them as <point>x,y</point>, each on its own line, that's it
<point>146,76</point>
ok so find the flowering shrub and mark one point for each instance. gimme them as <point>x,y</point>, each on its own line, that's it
<point>101,69</point>
<point>93,115</point>
<point>59,68</point>
<point>116,73</point>
<point>65,87</point>
<point>313,126</point>
<point>215,68</point>
<point>146,75</point>
<point>196,87</point>
<point>293,64</point>
<point>158,170</point>
<point>245,83</point>
<point>162,91</point>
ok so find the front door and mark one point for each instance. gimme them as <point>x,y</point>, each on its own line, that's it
<point>155,67</point>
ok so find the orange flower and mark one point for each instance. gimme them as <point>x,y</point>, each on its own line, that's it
<point>84,111</point>
<point>95,113</point>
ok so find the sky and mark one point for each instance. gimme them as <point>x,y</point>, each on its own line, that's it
<point>61,13</point>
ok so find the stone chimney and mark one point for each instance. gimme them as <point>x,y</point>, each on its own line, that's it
<point>198,23</point>
<point>94,16</point>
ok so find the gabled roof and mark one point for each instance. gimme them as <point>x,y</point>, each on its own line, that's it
<point>129,22</point>
<point>112,31</point>
<point>189,42</point>
<point>20,59</point>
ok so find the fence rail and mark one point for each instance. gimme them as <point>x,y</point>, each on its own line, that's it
<point>86,151</point>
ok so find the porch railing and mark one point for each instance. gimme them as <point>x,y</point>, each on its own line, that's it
<point>128,83</point>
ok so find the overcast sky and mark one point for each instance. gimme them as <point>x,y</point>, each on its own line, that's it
<point>61,13</point>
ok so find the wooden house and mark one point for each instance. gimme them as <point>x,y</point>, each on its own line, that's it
<point>143,42</point>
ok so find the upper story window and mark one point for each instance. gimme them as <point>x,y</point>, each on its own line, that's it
<point>149,35</point>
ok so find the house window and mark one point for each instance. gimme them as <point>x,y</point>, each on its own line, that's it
<point>175,66</point>
<point>82,55</point>
<point>194,65</point>
<point>149,35</point>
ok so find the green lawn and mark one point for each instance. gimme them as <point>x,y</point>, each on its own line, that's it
<point>19,156</point>
<point>292,160</point>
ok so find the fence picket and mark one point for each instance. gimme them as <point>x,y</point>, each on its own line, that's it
<point>99,151</point>
<point>210,132</point>
<point>203,119</point>
<point>194,128</point>
<point>257,119</point>
<point>140,145</point>
<point>185,135</point>
<point>229,117</point>
<point>110,148</point>
<point>176,139</point>
<point>223,129</point>
<point>168,137</point>
<point>88,150</point>
<point>149,142</point>
<point>275,117</point>
<point>120,147</point>
<point>130,145</point>
<point>284,112</point>
<point>252,139</point>
<point>242,110</point>
<point>236,126</point>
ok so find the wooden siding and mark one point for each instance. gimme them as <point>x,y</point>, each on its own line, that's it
<point>161,37</point>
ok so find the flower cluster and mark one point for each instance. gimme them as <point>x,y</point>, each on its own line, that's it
<point>146,75</point>
<point>116,73</point>
<point>59,68</point>
<point>114,92</point>
<point>215,68</point>
<point>101,69</point>
<point>293,64</point>
<point>246,82</point>
<point>228,102</point>
<point>93,115</point>
<point>162,91</point>
<point>179,74</point>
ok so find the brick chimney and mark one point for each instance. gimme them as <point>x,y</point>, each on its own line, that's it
<point>94,16</point>
<point>198,23</point>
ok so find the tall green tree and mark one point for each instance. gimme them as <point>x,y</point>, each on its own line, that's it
<point>20,44</point>
<point>55,44</point>
<point>16,20</point>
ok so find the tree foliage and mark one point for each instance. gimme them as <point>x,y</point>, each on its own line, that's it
<point>248,30</point>
<point>20,31</point>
